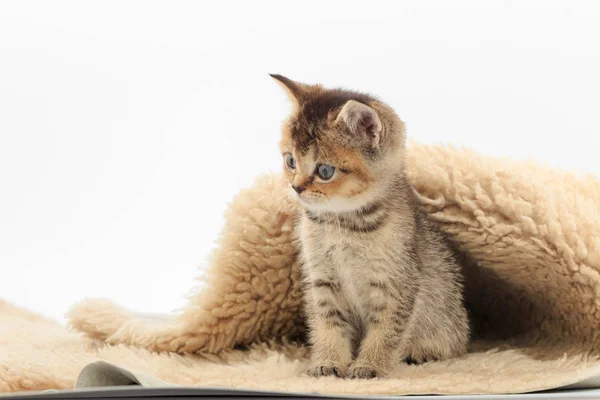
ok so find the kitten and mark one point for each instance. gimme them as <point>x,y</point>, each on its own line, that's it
<point>382,283</point>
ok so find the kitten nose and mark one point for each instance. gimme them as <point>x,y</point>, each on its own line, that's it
<point>298,189</point>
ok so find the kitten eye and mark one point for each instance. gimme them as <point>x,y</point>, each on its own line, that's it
<point>290,161</point>
<point>325,171</point>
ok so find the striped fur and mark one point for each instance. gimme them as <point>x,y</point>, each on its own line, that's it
<point>382,285</point>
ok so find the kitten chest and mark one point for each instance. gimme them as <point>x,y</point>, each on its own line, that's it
<point>349,261</point>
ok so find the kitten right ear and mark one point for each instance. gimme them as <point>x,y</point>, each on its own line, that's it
<point>296,91</point>
<point>362,121</point>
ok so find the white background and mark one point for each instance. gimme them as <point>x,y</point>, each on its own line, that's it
<point>126,126</point>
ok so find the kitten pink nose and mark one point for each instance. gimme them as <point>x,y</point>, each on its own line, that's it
<point>298,189</point>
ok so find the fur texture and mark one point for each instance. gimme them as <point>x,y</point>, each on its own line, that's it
<point>529,237</point>
<point>382,283</point>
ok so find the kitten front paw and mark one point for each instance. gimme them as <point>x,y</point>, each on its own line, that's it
<point>319,370</point>
<point>363,371</point>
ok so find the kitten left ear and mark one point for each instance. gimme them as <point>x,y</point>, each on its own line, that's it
<point>296,91</point>
<point>362,121</point>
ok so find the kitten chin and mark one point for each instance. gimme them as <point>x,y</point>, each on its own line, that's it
<point>336,204</point>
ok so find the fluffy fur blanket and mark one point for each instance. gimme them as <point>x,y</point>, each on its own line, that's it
<point>529,237</point>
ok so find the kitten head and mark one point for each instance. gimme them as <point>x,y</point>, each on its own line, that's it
<point>340,148</point>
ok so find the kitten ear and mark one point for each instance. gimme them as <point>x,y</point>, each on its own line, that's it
<point>296,91</point>
<point>362,121</point>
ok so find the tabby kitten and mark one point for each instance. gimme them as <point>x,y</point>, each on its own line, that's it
<point>382,284</point>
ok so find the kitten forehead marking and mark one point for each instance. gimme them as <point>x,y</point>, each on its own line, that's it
<point>321,107</point>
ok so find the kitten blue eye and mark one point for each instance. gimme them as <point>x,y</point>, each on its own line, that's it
<point>325,171</point>
<point>290,161</point>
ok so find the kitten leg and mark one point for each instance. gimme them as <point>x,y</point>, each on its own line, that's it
<point>387,332</point>
<point>331,332</point>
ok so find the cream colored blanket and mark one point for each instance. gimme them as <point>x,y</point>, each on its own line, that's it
<point>530,241</point>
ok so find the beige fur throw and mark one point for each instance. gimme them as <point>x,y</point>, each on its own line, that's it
<point>530,239</point>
